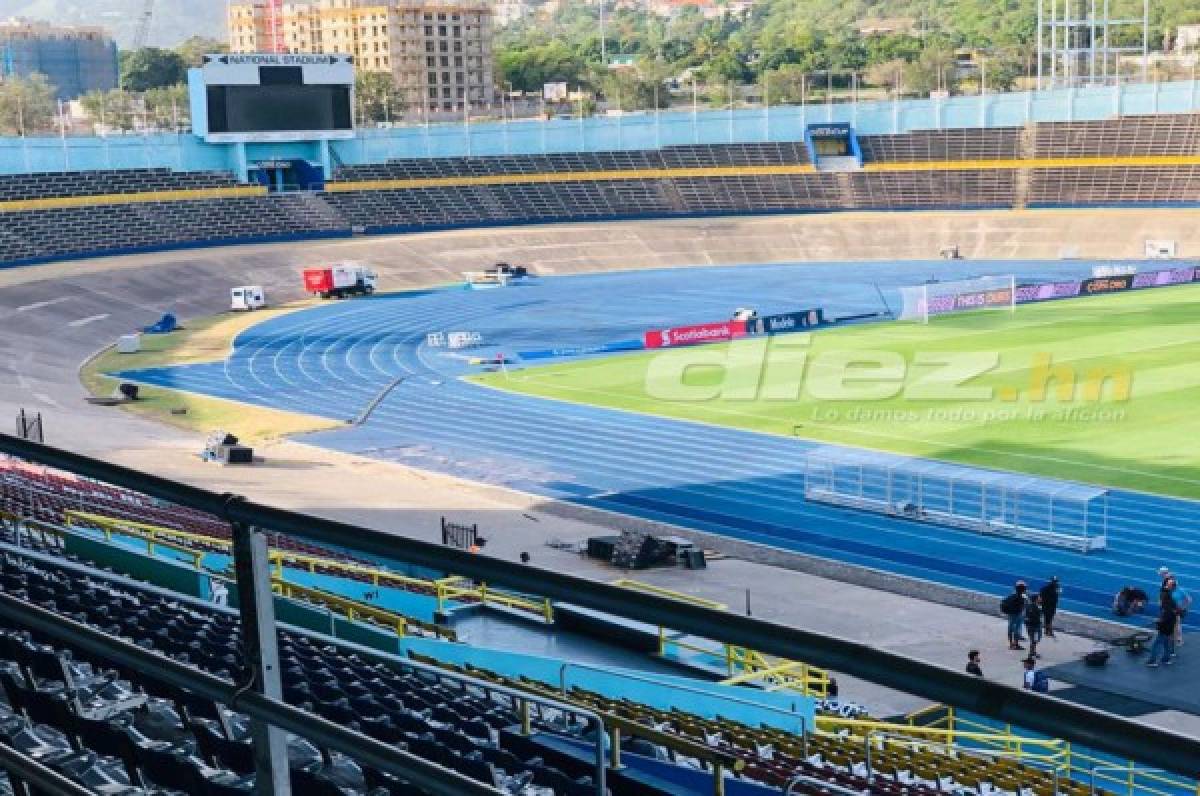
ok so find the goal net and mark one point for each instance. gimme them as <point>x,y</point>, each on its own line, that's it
<point>922,302</point>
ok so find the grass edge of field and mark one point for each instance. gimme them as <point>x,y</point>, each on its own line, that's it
<point>203,340</point>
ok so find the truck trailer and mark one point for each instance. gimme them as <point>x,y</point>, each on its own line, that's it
<point>339,281</point>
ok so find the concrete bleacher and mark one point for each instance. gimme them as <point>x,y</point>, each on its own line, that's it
<point>17,187</point>
<point>94,230</point>
<point>673,157</point>
<point>1115,186</point>
<point>1126,136</point>
<point>995,143</point>
<point>1052,164</point>
<point>914,190</point>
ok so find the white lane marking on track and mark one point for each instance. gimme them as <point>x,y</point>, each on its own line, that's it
<point>38,305</point>
<point>90,319</point>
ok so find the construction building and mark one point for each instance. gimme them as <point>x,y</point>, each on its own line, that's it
<point>75,60</point>
<point>438,53</point>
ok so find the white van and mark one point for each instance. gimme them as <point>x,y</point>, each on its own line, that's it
<point>247,297</point>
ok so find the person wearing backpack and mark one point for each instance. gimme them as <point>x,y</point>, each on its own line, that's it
<point>1163,648</point>
<point>1013,607</point>
<point>1183,601</point>
<point>1035,678</point>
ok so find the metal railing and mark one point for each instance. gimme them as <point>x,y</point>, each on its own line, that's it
<point>741,665</point>
<point>444,590</point>
<point>1151,746</point>
<point>1126,777</point>
<point>359,611</point>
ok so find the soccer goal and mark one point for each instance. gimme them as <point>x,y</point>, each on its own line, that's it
<point>922,302</point>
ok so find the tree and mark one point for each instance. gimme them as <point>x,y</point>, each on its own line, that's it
<point>152,67</point>
<point>934,70</point>
<point>377,96</point>
<point>529,68</point>
<point>786,85</point>
<point>193,49</point>
<point>636,89</point>
<point>26,105</point>
<point>1000,72</point>
<point>167,108</point>
<point>887,74</point>
<point>725,68</point>
<point>111,110</point>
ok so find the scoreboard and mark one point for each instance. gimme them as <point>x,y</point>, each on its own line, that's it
<point>272,97</point>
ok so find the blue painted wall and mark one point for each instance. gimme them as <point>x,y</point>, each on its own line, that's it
<point>785,711</point>
<point>781,123</point>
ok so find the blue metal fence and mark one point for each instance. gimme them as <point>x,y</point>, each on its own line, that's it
<point>648,130</point>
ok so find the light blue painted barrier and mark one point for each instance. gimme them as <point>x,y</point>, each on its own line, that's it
<point>790,712</point>
<point>682,780</point>
<point>186,152</point>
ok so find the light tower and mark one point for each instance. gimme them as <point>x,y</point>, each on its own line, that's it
<point>1080,42</point>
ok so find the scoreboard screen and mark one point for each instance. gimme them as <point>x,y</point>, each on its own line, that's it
<point>273,97</point>
<point>274,109</point>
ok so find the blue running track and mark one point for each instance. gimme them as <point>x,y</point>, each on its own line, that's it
<point>332,361</point>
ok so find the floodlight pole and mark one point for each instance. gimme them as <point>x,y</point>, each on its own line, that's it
<point>260,647</point>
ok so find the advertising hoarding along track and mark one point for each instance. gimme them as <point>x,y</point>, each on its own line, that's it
<point>695,335</point>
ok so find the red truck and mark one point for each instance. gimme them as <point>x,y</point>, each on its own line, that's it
<point>339,281</point>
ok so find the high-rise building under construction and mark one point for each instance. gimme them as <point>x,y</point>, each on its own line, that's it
<point>75,60</point>
<point>438,53</point>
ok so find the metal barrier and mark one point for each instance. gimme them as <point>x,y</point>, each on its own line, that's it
<point>444,589</point>
<point>1152,746</point>
<point>950,749</point>
<point>358,611</point>
<point>741,665</point>
<point>1134,779</point>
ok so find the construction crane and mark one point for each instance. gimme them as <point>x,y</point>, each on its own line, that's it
<point>275,43</point>
<point>143,26</point>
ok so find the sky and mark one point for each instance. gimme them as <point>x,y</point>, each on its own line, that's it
<point>173,20</point>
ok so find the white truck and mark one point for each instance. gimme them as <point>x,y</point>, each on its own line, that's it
<point>338,281</point>
<point>247,297</point>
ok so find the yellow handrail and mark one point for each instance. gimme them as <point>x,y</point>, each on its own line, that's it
<point>1128,776</point>
<point>354,610</point>
<point>444,589</point>
<point>741,665</point>
<point>659,591</point>
<point>151,542</point>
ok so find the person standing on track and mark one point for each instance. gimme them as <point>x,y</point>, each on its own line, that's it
<point>1182,601</point>
<point>1013,608</point>
<point>1163,648</point>
<point>1050,594</point>
<point>1033,623</point>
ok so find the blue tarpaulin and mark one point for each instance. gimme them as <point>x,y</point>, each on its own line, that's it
<point>166,323</point>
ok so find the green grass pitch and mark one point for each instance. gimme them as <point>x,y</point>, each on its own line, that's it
<point>983,388</point>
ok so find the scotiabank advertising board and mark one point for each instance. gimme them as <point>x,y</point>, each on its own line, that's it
<point>695,335</point>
